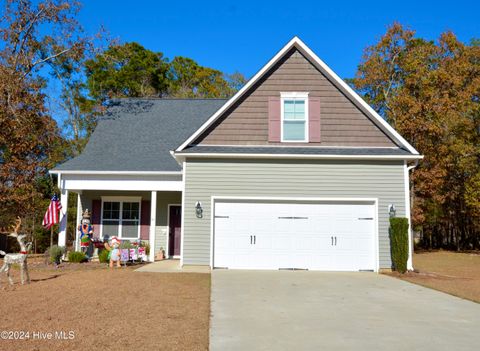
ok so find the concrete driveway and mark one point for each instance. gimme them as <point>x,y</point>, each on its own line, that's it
<point>286,310</point>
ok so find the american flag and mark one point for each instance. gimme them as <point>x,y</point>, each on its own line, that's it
<point>51,216</point>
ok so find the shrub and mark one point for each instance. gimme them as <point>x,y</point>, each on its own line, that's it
<point>56,252</point>
<point>399,243</point>
<point>76,256</point>
<point>103,256</point>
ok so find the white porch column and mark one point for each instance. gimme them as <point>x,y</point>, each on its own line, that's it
<point>62,235</point>
<point>153,222</point>
<point>78,221</point>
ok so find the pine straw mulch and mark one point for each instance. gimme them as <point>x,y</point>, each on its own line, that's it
<point>116,309</point>
<point>455,273</point>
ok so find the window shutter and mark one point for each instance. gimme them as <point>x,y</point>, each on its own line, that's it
<point>96,214</point>
<point>274,119</point>
<point>314,120</point>
<point>145,221</point>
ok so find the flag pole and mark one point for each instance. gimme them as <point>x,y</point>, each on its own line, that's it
<point>51,236</point>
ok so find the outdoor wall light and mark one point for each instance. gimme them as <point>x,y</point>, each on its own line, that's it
<point>198,209</point>
<point>392,211</point>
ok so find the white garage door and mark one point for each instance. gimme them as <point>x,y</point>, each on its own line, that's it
<point>315,236</point>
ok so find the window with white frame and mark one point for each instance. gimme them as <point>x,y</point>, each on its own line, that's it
<point>294,111</point>
<point>121,218</point>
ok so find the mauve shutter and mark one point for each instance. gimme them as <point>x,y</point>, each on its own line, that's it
<point>145,221</point>
<point>274,119</point>
<point>314,120</point>
<point>96,213</point>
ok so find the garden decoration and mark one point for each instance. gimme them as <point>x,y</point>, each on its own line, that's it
<point>124,256</point>
<point>142,254</point>
<point>114,251</point>
<point>18,258</point>
<point>86,234</point>
<point>133,254</point>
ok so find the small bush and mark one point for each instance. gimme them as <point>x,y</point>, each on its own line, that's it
<point>103,256</point>
<point>56,252</point>
<point>76,257</point>
<point>399,243</point>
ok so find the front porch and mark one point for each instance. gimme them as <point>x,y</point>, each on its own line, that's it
<point>126,208</point>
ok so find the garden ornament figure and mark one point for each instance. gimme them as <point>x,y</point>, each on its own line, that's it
<point>18,258</point>
<point>114,251</point>
<point>86,234</point>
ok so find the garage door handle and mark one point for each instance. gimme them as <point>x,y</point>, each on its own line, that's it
<point>251,239</point>
<point>292,217</point>
<point>332,239</point>
<point>335,241</point>
<point>254,239</point>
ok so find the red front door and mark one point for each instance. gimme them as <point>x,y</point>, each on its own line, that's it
<point>174,227</point>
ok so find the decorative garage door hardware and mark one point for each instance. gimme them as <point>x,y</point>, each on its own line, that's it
<point>334,240</point>
<point>366,219</point>
<point>253,239</point>
<point>292,217</point>
<point>222,216</point>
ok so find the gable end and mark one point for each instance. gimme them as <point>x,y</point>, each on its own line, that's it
<point>341,122</point>
<point>242,120</point>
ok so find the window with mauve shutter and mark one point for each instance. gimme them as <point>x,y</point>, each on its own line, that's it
<point>294,120</point>
<point>294,117</point>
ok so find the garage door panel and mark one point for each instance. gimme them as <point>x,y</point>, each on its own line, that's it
<point>294,235</point>
<point>275,242</point>
<point>320,262</point>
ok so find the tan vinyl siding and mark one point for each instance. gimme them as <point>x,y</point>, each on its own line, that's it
<point>294,178</point>
<point>342,123</point>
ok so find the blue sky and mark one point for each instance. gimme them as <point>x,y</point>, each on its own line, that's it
<point>243,35</point>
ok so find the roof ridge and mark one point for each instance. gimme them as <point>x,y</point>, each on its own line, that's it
<point>167,99</point>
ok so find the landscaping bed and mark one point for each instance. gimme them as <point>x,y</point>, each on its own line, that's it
<point>451,272</point>
<point>106,309</point>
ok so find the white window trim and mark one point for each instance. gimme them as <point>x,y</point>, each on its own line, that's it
<point>293,96</point>
<point>123,199</point>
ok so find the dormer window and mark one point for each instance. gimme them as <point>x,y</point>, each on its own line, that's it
<point>294,115</point>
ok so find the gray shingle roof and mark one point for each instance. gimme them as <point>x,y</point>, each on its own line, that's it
<point>298,150</point>
<point>138,134</point>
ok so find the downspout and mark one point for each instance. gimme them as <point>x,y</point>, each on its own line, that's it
<point>409,204</point>
<point>412,167</point>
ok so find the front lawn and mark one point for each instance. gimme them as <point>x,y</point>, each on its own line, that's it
<point>451,272</point>
<point>116,309</point>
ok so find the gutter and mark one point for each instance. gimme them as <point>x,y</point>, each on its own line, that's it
<point>180,156</point>
<point>53,171</point>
